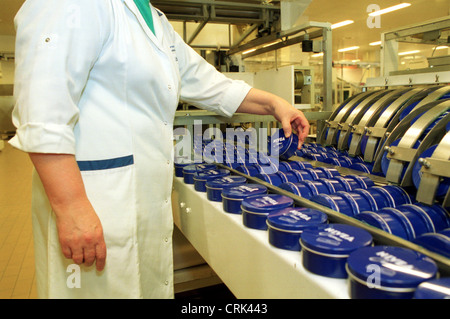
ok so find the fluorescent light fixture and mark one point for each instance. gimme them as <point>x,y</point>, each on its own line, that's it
<point>390,9</point>
<point>441,47</point>
<point>409,52</point>
<point>249,51</point>
<point>341,24</point>
<point>317,55</point>
<point>375,43</point>
<point>348,49</point>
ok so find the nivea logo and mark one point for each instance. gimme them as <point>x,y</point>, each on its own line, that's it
<point>297,215</point>
<point>267,199</point>
<point>248,189</point>
<point>280,139</point>
<point>386,258</point>
<point>339,234</point>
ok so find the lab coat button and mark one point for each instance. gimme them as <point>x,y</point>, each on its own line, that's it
<point>166,282</point>
<point>166,239</point>
<point>169,87</point>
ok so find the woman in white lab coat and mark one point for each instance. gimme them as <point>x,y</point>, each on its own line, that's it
<point>96,94</point>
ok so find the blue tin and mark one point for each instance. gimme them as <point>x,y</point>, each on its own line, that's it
<point>303,175</point>
<point>179,168</point>
<point>437,214</point>
<point>436,242</point>
<point>255,209</point>
<point>285,226</point>
<point>388,220</point>
<point>387,272</point>
<point>339,202</point>
<point>325,250</point>
<point>316,173</point>
<point>285,147</point>
<point>248,169</point>
<point>363,181</point>
<point>215,186</point>
<point>398,195</point>
<point>333,185</point>
<point>298,189</point>
<point>190,170</point>
<point>419,220</point>
<point>232,197</point>
<point>433,289</point>
<point>201,177</point>
<point>274,179</point>
<point>381,196</point>
<point>299,165</point>
<point>364,200</point>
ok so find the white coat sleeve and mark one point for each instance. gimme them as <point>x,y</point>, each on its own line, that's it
<point>203,86</point>
<point>57,44</point>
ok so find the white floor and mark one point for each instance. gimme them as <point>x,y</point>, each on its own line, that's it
<point>16,244</point>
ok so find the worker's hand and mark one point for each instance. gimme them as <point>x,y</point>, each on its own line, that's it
<point>265,103</point>
<point>291,119</point>
<point>81,235</point>
<point>79,228</point>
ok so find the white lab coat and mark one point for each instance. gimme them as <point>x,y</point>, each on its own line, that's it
<point>94,81</point>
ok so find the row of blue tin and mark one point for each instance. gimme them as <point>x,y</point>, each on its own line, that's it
<point>331,250</point>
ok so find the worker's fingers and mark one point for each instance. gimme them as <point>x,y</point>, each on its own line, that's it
<point>287,128</point>
<point>89,256</point>
<point>77,255</point>
<point>100,255</point>
<point>67,252</point>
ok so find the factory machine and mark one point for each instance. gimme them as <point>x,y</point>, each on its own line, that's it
<point>393,141</point>
<point>360,211</point>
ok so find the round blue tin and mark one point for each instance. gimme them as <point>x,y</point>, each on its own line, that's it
<point>285,226</point>
<point>436,242</point>
<point>339,202</point>
<point>256,208</point>
<point>364,200</point>
<point>437,214</point>
<point>419,220</point>
<point>215,186</point>
<point>363,181</point>
<point>325,250</point>
<point>389,220</point>
<point>299,165</point>
<point>232,197</point>
<point>387,272</point>
<point>381,196</point>
<point>433,289</point>
<point>285,147</point>
<point>248,169</point>
<point>274,179</point>
<point>201,177</point>
<point>190,170</point>
<point>303,175</point>
<point>298,189</point>
<point>398,195</point>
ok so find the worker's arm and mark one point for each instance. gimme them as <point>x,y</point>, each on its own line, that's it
<point>79,228</point>
<point>265,103</point>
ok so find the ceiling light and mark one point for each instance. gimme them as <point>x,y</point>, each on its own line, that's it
<point>317,55</point>
<point>441,47</point>
<point>249,51</point>
<point>409,52</point>
<point>375,43</point>
<point>348,49</point>
<point>390,9</point>
<point>341,24</point>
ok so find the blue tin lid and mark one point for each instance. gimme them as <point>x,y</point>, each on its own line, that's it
<point>193,168</point>
<point>414,209</point>
<point>226,181</point>
<point>296,218</point>
<point>335,202</point>
<point>404,221</point>
<point>397,267</point>
<point>210,174</point>
<point>335,239</point>
<point>438,215</point>
<point>286,147</point>
<point>243,191</point>
<point>398,194</point>
<point>374,220</point>
<point>433,289</point>
<point>436,242</point>
<point>266,203</point>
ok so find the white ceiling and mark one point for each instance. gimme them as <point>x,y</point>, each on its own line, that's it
<point>332,11</point>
